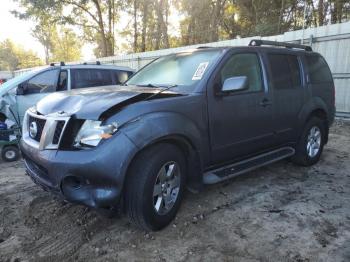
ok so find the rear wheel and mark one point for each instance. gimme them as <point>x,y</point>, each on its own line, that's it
<point>310,146</point>
<point>155,186</point>
<point>10,153</point>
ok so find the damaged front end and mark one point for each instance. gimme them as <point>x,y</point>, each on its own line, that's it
<point>70,146</point>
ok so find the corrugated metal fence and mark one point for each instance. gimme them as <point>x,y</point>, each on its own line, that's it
<point>332,41</point>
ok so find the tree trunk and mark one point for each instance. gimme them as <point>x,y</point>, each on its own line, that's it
<point>144,25</point>
<point>135,26</point>
<point>159,7</point>
<point>321,14</point>
<point>104,41</point>
<point>280,18</point>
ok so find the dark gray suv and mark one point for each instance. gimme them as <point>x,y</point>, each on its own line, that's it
<point>188,119</point>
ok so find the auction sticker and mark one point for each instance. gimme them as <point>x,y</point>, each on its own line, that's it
<point>200,71</point>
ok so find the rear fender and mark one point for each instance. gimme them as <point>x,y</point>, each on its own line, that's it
<point>311,106</point>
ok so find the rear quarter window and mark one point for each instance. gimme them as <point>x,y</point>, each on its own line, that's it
<point>318,69</point>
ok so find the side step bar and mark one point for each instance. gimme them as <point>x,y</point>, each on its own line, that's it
<point>232,170</point>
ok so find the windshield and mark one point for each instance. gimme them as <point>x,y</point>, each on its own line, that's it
<point>182,70</point>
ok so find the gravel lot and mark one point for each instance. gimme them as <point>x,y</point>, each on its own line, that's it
<point>278,213</point>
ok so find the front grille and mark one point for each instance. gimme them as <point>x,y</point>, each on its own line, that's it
<point>40,125</point>
<point>58,131</point>
<point>33,130</point>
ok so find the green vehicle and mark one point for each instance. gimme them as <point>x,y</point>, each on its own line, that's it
<point>9,144</point>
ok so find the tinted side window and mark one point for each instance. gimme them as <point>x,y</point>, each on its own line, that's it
<point>285,71</point>
<point>82,78</point>
<point>318,69</point>
<point>43,83</point>
<point>244,65</point>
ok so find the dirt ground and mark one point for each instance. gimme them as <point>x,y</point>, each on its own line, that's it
<point>278,213</point>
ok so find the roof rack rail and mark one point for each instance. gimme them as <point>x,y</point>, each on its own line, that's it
<point>203,47</point>
<point>60,63</point>
<point>97,63</point>
<point>258,42</point>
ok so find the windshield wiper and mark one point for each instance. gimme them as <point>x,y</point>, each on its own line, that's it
<point>153,86</point>
<point>160,91</point>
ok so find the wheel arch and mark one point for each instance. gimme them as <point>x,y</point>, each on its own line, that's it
<point>314,108</point>
<point>191,154</point>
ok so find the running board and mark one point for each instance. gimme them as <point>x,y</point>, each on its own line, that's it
<point>232,170</point>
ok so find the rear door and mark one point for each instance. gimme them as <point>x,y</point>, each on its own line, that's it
<point>240,123</point>
<point>289,94</point>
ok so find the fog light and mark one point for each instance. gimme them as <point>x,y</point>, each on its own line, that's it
<point>71,182</point>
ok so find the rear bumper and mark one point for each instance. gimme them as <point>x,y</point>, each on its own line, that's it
<point>93,178</point>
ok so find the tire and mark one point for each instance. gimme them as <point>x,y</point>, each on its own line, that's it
<point>306,152</point>
<point>10,153</point>
<point>144,203</point>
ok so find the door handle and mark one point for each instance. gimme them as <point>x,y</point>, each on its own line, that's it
<point>265,102</point>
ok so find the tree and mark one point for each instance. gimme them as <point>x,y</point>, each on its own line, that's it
<point>201,21</point>
<point>13,57</point>
<point>45,32</point>
<point>95,17</point>
<point>66,46</point>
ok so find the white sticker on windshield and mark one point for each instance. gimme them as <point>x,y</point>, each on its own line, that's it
<point>200,71</point>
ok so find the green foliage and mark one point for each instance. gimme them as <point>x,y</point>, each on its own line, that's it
<point>95,18</point>
<point>13,57</point>
<point>66,46</point>
<point>148,25</point>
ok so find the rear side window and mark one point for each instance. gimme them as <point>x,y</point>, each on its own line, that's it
<point>318,69</point>
<point>82,78</point>
<point>285,71</point>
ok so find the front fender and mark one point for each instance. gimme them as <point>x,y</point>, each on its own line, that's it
<point>152,127</point>
<point>161,126</point>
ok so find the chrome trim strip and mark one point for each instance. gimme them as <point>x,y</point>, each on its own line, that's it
<point>48,131</point>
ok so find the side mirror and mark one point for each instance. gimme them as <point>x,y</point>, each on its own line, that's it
<point>21,89</point>
<point>233,84</point>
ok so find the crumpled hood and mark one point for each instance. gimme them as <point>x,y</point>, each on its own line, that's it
<point>91,103</point>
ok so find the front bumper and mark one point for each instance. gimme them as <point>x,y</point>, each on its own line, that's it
<point>93,177</point>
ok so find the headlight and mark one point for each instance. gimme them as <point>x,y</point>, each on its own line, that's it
<point>91,133</point>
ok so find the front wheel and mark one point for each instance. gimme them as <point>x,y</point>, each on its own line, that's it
<point>310,146</point>
<point>154,187</point>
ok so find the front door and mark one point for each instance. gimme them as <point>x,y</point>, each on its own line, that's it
<point>35,89</point>
<point>240,122</point>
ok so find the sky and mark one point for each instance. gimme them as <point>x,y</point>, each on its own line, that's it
<point>19,31</point>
